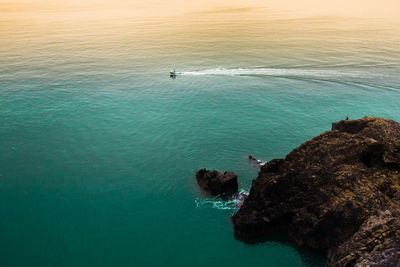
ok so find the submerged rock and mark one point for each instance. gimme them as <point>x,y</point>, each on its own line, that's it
<point>256,161</point>
<point>216,182</point>
<point>338,193</point>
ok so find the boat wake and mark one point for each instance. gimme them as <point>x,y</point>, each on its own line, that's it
<point>276,72</point>
<point>366,78</point>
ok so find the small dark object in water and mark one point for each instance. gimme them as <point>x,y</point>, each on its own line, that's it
<point>256,161</point>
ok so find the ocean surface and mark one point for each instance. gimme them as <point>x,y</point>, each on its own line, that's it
<point>99,145</point>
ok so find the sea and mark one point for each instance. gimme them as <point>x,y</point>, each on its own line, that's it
<point>99,145</point>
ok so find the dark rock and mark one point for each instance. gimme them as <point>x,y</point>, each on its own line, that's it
<point>376,243</point>
<point>216,182</point>
<point>338,193</point>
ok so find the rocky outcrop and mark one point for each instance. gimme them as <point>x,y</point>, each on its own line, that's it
<point>216,182</point>
<point>338,193</point>
<point>376,242</point>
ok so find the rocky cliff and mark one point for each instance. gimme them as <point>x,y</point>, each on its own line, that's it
<point>338,193</point>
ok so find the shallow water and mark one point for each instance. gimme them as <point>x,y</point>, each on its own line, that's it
<point>98,145</point>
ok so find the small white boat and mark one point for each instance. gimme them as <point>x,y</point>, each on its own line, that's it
<point>174,73</point>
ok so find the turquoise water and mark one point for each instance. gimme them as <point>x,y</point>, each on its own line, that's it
<point>98,145</point>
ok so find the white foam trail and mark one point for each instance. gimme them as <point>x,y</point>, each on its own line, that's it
<point>216,203</point>
<point>273,72</point>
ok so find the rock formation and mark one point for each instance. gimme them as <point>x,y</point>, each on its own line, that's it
<point>216,182</point>
<point>338,193</point>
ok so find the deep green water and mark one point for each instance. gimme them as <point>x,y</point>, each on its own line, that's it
<point>98,145</point>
